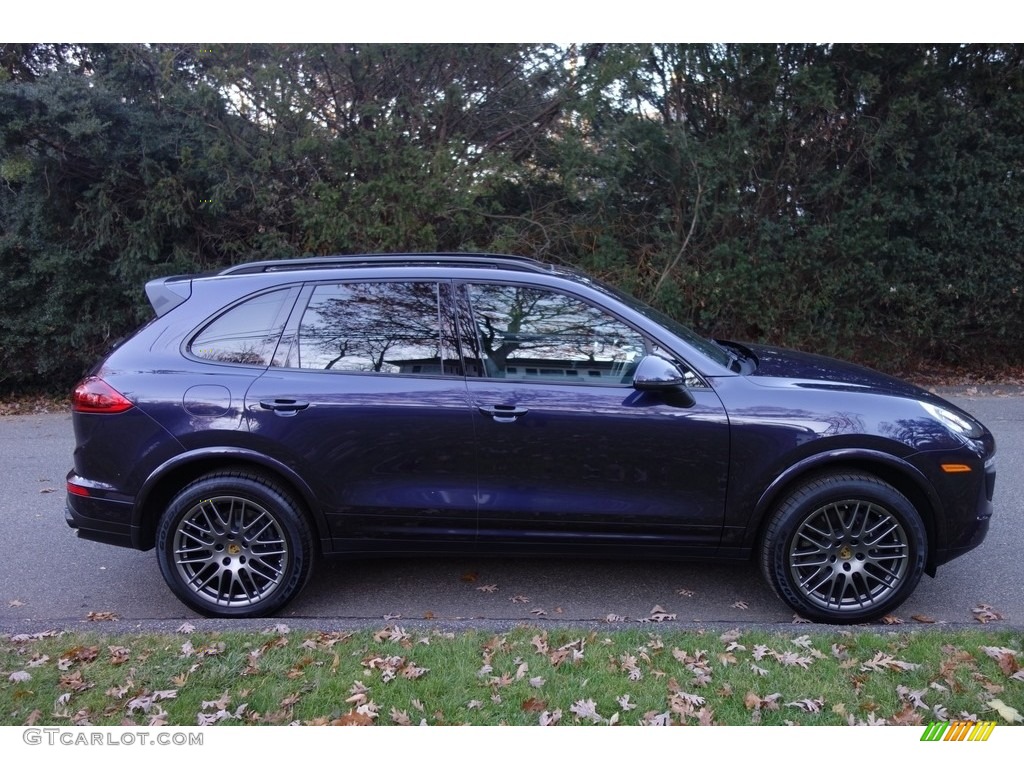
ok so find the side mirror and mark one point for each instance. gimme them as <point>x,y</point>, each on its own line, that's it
<point>656,374</point>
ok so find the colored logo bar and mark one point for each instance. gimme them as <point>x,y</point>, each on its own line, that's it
<point>958,730</point>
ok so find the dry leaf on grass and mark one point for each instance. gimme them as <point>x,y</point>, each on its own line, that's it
<point>1008,713</point>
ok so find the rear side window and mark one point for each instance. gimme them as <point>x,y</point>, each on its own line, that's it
<point>392,328</point>
<point>248,332</point>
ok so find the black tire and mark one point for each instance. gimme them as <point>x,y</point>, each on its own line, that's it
<point>234,544</point>
<point>844,548</point>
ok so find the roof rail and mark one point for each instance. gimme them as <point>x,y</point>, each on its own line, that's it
<point>496,261</point>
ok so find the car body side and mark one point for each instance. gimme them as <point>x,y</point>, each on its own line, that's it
<point>775,431</point>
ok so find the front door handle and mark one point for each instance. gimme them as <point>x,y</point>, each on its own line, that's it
<point>504,414</point>
<point>285,406</point>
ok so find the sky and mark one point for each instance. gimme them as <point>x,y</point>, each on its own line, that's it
<point>522,21</point>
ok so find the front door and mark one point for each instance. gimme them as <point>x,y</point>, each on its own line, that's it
<point>570,455</point>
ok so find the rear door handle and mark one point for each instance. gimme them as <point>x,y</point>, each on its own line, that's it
<point>286,406</point>
<point>504,414</point>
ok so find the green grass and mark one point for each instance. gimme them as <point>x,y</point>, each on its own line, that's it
<point>516,678</point>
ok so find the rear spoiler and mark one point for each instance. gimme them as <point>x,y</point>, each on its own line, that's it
<point>166,293</point>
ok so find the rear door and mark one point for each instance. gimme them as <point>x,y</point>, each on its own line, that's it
<point>366,398</point>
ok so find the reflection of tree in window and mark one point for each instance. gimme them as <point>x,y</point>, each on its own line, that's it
<point>372,327</point>
<point>248,332</point>
<point>529,332</point>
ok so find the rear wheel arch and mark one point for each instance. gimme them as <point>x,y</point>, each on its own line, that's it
<point>235,543</point>
<point>166,481</point>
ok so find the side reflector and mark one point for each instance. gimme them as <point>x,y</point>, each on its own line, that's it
<point>77,490</point>
<point>955,468</point>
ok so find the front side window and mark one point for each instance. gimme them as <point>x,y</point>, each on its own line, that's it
<point>526,333</point>
<point>391,328</point>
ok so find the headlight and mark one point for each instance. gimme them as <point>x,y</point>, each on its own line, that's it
<point>957,423</point>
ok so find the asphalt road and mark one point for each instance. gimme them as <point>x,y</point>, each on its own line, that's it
<point>50,578</point>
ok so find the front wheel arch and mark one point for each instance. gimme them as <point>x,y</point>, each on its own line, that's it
<point>844,548</point>
<point>901,475</point>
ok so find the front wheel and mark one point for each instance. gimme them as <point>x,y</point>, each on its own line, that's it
<point>844,548</point>
<point>234,544</point>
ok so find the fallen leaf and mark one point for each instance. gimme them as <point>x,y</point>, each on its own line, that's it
<point>400,717</point>
<point>1006,658</point>
<point>890,619</point>
<point>15,604</point>
<point>186,629</point>
<point>519,599</point>
<point>986,613</point>
<point>533,705</point>
<point>1008,713</point>
<point>586,710</point>
<point>741,605</point>
<point>47,490</point>
<point>685,592</point>
<point>550,718</point>
<point>808,705</point>
<point>19,677</point>
<point>428,615</point>
<point>790,659</point>
<point>884,662</point>
<point>624,702</point>
<point>469,577</point>
<point>488,588</point>
<point>539,612</point>
<point>353,718</point>
<point>921,618</point>
<point>102,616</point>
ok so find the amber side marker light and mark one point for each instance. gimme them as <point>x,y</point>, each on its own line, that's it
<point>955,468</point>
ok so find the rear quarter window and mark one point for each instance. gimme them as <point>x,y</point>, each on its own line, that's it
<point>248,332</point>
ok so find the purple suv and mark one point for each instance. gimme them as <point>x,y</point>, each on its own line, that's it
<point>398,404</point>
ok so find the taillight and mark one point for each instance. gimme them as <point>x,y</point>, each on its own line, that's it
<point>94,395</point>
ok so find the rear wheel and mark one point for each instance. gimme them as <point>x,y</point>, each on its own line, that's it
<point>844,548</point>
<point>234,544</point>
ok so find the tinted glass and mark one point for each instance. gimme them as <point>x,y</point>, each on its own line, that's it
<point>530,333</point>
<point>248,332</point>
<point>372,328</point>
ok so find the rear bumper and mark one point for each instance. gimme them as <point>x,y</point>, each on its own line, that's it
<point>98,515</point>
